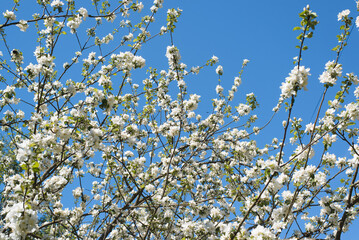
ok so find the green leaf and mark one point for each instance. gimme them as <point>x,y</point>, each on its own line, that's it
<point>24,166</point>
<point>36,167</point>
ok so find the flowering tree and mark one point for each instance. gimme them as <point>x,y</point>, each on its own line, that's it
<point>95,148</point>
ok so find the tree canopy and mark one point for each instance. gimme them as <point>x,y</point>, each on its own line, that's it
<point>99,143</point>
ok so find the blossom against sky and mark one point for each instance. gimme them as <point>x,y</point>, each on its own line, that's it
<point>235,31</point>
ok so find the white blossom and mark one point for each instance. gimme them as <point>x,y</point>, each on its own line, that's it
<point>214,59</point>
<point>297,79</point>
<point>9,15</point>
<point>83,12</point>
<point>303,175</point>
<point>74,23</point>
<point>173,56</point>
<point>331,73</point>
<point>20,219</point>
<point>262,233</point>
<point>219,70</point>
<point>22,25</point>
<point>343,14</point>
<point>56,3</point>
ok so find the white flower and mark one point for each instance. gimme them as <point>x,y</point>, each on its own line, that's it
<point>107,38</point>
<point>9,15</point>
<point>219,89</point>
<point>111,18</point>
<point>309,128</point>
<point>329,159</point>
<point>192,103</point>
<point>256,130</point>
<point>245,62</point>
<point>341,162</point>
<point>356,92</point>
<point>22,25</point>
<point>262,233</point>
<point>173,56</point>
<point>173,12</point>
<point>77,192</point>
<point>139,62</point>
<point>216,213</point>
<point>20,114</point>
<point>302,175</point>
<point>74,23</point>
<point>287,195</point>
<point>150,188</point>
<point>105,81</point>
<point>173,131</point>
<point>66,65</point>
<point>357,22</point>
<point>214,59</point>
<point>303,154</point>
<point>128,37</point>
<point>343,14</point>
<point>243,109</point>
<point>163,30</point>
<point>83,13</point>
<point>55,183</point>
<point>237,81</point>
<point>20,219</point>
<point>158,3</point>
<point>219,70</point>
<point>96,132</point>
<point>297,79</point>
<point>49,22</point>
<point>140,6</point>
<point>309,227</point>
<point>332,72</point>
<point>56,4</point>
<point>45,60</point>
<point>352,111</point>
<point>353,78</point>
<point>320,178</point>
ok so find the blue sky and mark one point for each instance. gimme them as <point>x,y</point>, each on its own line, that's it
<point>261,31</point>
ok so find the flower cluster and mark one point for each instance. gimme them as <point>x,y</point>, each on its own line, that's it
<point>343,14</point>
<point>173,56</point>
<point>21,219</point>
<point>22,25</point>
<point>9,15</point>
<point>297,79</point>
<point>332,72</point>
<point>219,70</point>
<point>83,13</point>
<point>126,61</point>
<point>56,4</point>
<point>76,20</point>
